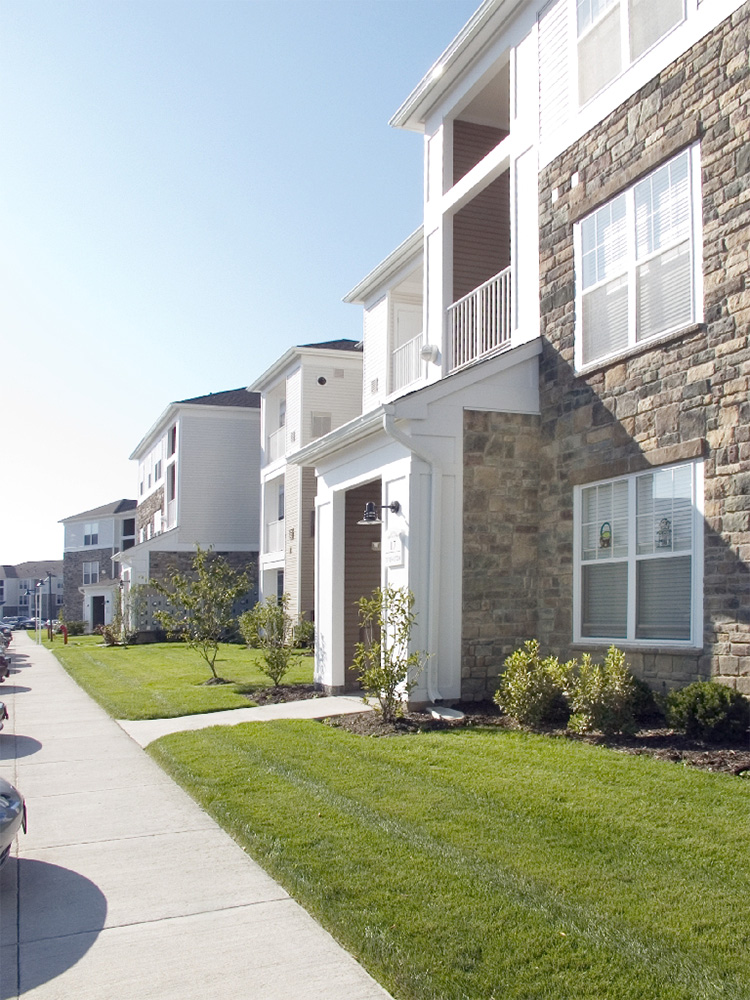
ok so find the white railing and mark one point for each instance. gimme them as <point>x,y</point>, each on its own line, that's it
<point>171,514</point>
<point>276,445</point>
<point>406,363</point>
<point>479,323</point>
<point>275,536</point>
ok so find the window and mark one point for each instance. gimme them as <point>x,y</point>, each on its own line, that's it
<point>172,446</point>
<point>91,533</point>
<point>90,572</point>
<point>157,471</point>
<point>279,585</point>
<point>281,502</point>
<point>635,262</point>
<point>639,557</point>
<point>614,33</point>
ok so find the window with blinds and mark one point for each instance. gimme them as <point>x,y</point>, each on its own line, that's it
<point>612,34</point>
<point>635,263</point>
<point>638,541</point>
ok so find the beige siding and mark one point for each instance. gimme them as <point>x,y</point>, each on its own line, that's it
<point>306,547</point>
<point>291,536</point>
<point>295,434</point>
<point>362,567</point>
<point>471,143</point>
<point>219,478</point>
<point>481,237</point>
<point>338,397</point>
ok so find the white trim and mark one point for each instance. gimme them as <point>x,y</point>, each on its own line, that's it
<point>695,642</point>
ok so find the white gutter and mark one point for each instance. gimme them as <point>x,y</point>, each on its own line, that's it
<point>433,574</point>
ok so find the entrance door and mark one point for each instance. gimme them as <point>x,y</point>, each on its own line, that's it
<point>361,568</point>
<point>97,611</point>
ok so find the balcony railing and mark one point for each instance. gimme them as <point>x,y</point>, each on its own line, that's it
<point>276,445</point>
<point>480,321</point>
<point>405,363</point>
<point>275,536</point>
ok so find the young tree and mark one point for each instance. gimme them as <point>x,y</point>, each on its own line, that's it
<point>387,670</point>
<point>201,604</point>
<point>270,627</point>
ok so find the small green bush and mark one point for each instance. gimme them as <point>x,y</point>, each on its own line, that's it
<point>304,634</point>
<point>708,711</point>
<point>647,705</point>
<point>601,695</point>
<point>270,627</point>
<point>75,627</point>
<point>531,688</point>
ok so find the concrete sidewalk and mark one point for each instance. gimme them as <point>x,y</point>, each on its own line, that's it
<point>123,888</point>
<point>147,730</point>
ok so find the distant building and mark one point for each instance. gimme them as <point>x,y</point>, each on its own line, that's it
<point>20,584</point>
<point>198,484</point>
<point>309,392</point>
<point>91,577</point>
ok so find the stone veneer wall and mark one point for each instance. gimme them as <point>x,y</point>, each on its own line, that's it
<point>668,401</point>
<point>163,564</point>
<point>145,511</point>
<point>73,577</point>
<point>500,553</point>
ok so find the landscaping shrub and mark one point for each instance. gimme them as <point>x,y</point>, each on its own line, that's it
<point>601,695</point>
<point>270,627</point>
<point>75,627</point>
<point>709,711</point>
<point>531,689</point>
<point>648,707</point>
<point>304,634</point>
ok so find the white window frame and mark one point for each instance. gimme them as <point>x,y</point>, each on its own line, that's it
<point>689,8</point>
<point>91,533</point>
<point>92,572</point>
<point>633,262</point>
<point>697,555</point>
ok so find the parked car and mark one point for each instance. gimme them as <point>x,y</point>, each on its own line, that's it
<point>12,817</point>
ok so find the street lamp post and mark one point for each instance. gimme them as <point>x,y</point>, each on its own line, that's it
<point>38,611</point>
<point>50,633</point>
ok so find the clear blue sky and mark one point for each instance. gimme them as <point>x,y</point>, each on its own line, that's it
<point>187,189</point>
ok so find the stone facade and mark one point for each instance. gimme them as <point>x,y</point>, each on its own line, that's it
<point>668,400</point>
<point>73,577</point>
<point>501,519</point>
<point>145,511</point>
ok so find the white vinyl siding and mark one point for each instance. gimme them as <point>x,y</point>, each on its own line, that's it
<point>553,68</point>
<point>639,555</point>
<point>636,262</point>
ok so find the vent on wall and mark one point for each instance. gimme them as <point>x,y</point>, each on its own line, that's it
<point>373,386</point>
<point>338,372</point>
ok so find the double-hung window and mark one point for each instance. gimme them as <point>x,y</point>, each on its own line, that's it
<point>91,533</point>
<point>90,572</point>
<point>636,262</point>
<point>639,545</point>
<point>614,33</point>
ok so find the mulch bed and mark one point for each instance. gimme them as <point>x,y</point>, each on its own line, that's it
<point>660,743</point>
<point>284,692</point>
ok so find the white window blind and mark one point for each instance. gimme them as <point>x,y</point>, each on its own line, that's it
<point>636,261</point>
<point>639,538</point>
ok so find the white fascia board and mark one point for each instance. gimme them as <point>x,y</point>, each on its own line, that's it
<point>292,359</point>
<point>404,254</point>
<point>174,410</point>
<point>349,433</point>
<point>465,48</point>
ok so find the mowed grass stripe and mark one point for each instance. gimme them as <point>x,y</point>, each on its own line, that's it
<point>449,887</point>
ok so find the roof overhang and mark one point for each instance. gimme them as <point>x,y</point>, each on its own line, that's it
<point>404,254</point>
<point>462,52</point>
<point>295,354</point>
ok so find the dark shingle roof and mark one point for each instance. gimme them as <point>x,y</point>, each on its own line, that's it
<point>34,570</point>
<point>337,345</point>
<point>230,397</point>
<point>116,507</point>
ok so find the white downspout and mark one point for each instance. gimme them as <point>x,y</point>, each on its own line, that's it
<point>433,574</point>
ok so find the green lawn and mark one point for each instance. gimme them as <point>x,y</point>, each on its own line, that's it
<point>165,679</point>
<point>492,865</point>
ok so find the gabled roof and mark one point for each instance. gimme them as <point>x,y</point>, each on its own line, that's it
<point>334,345</point>
<point>34,570</point>
<point>230,397</point>
<point>404,254</point>
<point>270,374</point>
<point>108,510</point>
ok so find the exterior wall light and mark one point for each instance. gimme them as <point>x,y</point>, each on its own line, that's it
<point>370,515</point>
